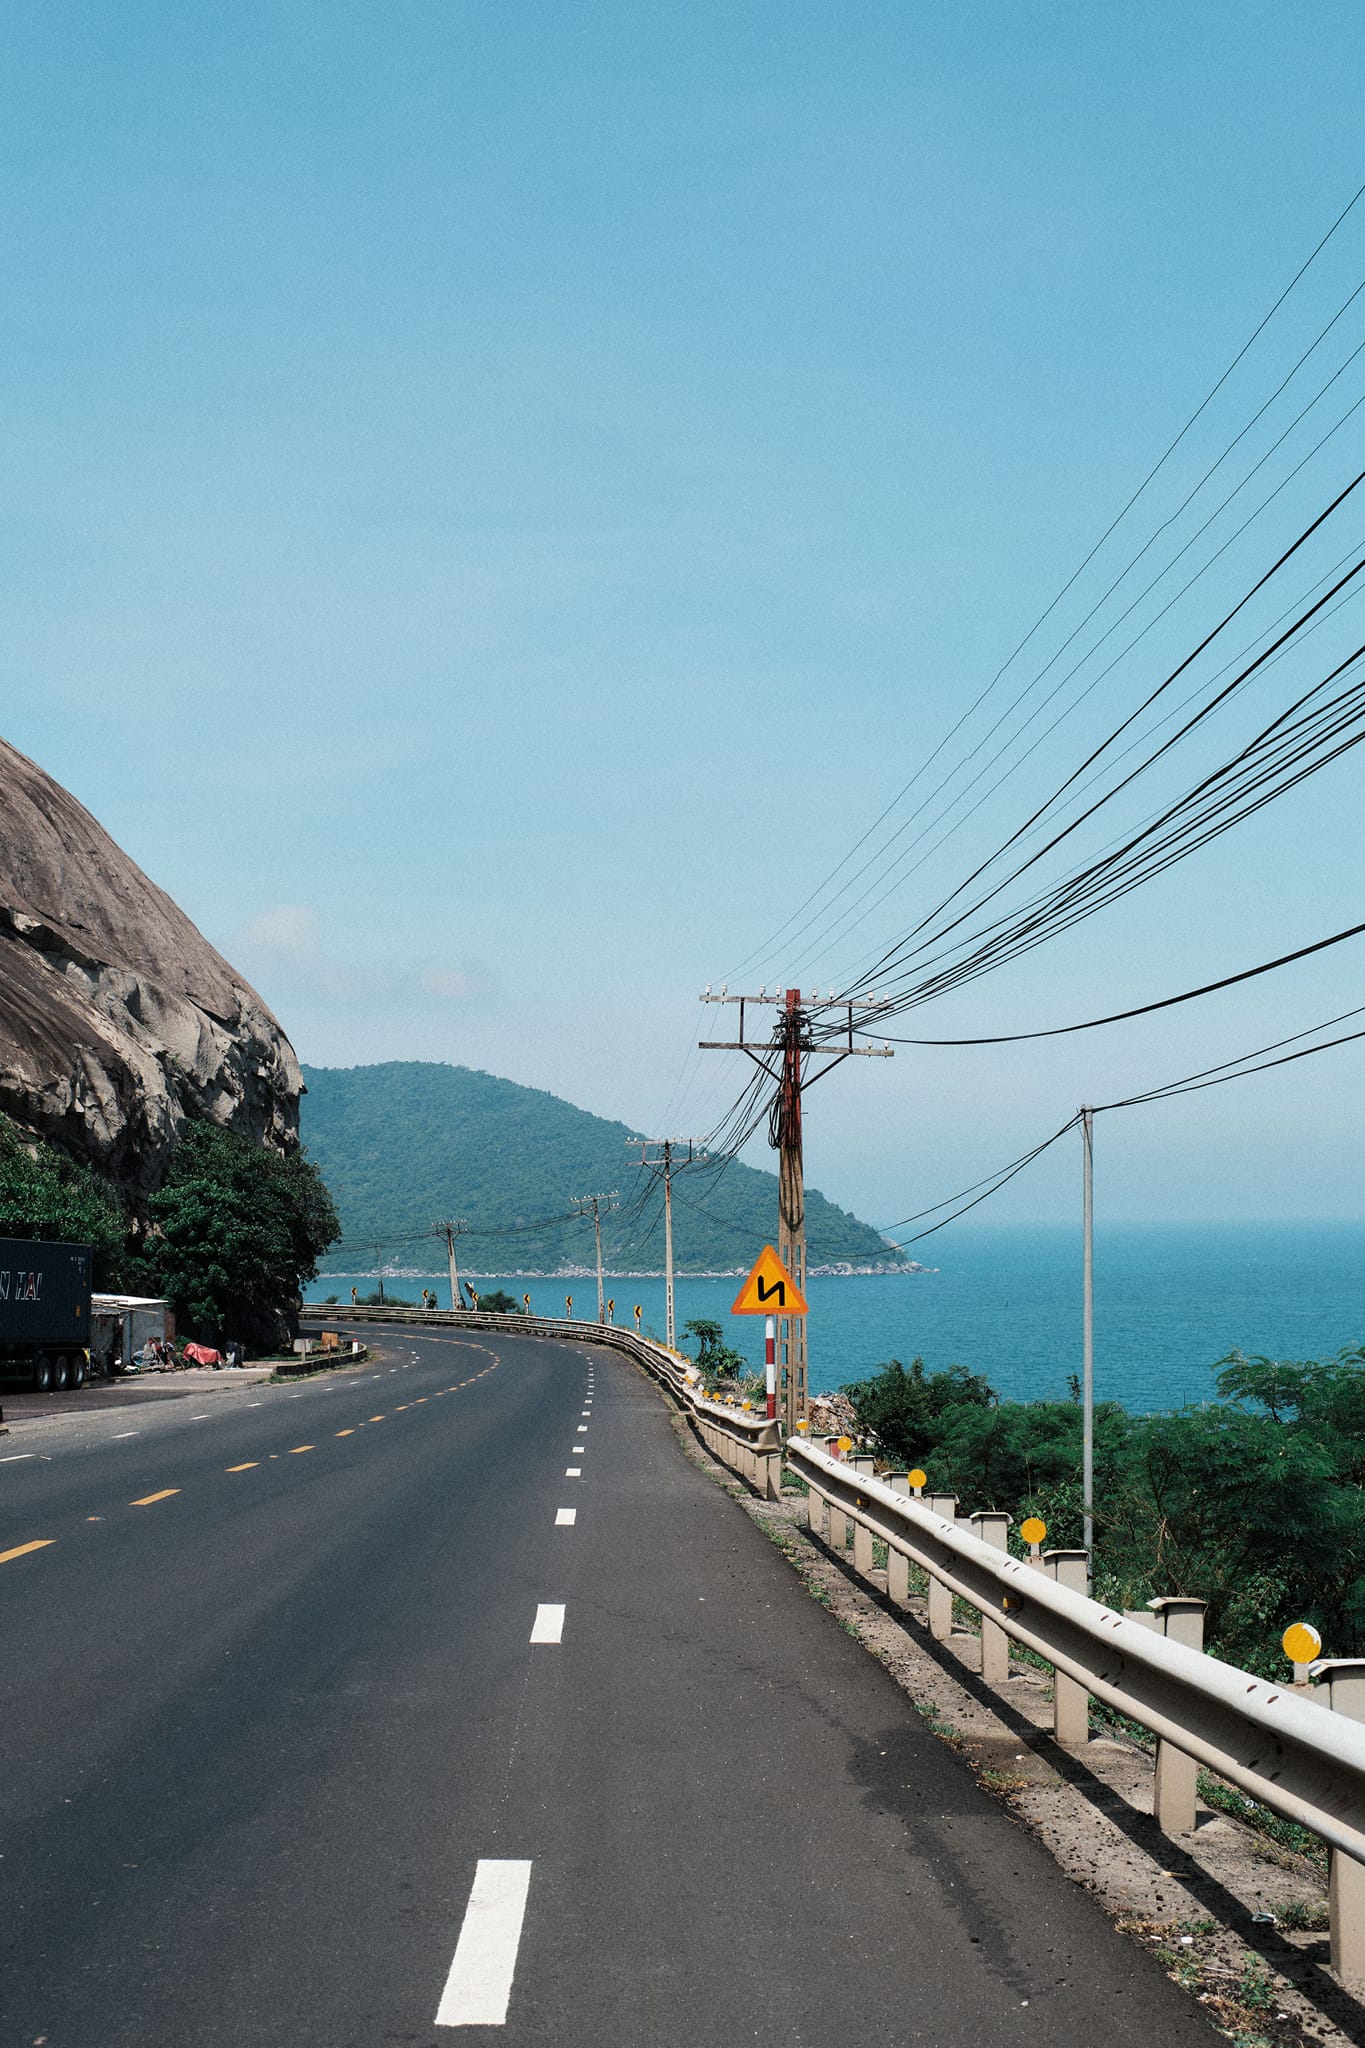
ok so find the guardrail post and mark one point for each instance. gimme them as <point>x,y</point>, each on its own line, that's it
<point>1345,1687</point>
<point>992,1526</point>
<point>1070,1700</point>
<point>897,1563</point>
<point>1173,1798</point>
<point>862,1538</point>
<point>940,1599</point>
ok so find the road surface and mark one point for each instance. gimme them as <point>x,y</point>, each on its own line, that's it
<point>447,1702</point>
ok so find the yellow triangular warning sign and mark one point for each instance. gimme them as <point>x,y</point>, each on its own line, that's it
<point>769,1290</point>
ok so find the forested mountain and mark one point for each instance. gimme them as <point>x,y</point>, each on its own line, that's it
<point>408,1143</point>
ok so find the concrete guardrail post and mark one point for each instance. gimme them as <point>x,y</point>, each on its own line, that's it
<point>897,1563</point>
<point>1345,1687</point>
<point>940,1599</point>
<point>1070,1701</point>
<point>1173,1797</point>
<point>862,1537</point>
<point>992,1526</point>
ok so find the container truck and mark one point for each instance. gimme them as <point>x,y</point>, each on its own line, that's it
<point>45,1312</point>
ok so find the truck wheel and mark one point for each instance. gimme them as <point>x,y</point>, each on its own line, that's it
<point>78,1369</point>
<point>60,1374</point>
<point>42,1373</point>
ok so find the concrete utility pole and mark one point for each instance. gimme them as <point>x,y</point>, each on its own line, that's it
<point>450,1231</point>
<point>592,1205</point>
<point>1088,1334</point>
<point>786,1056</point>
<point>665,1158</point>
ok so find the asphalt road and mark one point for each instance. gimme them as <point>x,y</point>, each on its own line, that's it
<point>282,1762</point>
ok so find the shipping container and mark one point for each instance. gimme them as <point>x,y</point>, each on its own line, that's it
<point>45,1311</point>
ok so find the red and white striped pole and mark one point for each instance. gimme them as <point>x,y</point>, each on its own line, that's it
<point>770,1363</point>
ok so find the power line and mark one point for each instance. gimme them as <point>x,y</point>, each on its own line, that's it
<point>899,950</point>
<point>847,923</point>
<point>1084,564</point>
<point>1239,1069</point>
<point>1188,995</point>
<point>1259,772</point>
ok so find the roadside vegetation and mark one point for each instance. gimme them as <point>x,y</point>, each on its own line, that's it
<point>230,1238</point>
<point>1254,1503</point>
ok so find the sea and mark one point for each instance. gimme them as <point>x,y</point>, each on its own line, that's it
<point>1171,1300</point>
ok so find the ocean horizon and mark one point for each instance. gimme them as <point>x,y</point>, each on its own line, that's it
<point>1171,1299</point>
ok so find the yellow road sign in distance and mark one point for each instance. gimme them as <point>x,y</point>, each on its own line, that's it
<point>917,1478</point>
<point>1033,1530</point>
<point>769,1290</point>
<point>1301,1642</point>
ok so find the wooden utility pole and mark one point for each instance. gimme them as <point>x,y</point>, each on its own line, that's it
<point>450,1231</point>
<point>787,1056</point>
<point>592,1205</point>
<point>667,1162</point>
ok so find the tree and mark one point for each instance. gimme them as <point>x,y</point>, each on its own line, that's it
<point>901,1409</point>
<point>43,1194</point>
<point>499,1302</point>
<point>237,1231</point>
<point>715,1358</point>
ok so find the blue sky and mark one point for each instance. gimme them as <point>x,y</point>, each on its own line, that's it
<point>498,500</point>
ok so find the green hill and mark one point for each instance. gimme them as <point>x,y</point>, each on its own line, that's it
<point>405,1144</point>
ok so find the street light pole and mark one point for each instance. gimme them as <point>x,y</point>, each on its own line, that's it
<point>1088,1333</point>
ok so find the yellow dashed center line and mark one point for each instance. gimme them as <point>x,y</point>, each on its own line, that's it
<point>23,1549</point>
<point>148,1500</point>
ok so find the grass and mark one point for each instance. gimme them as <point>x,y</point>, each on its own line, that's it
<point>932,1718</point>
<point>1287,1833</point>
<point>1304,1916</point>
<point>1239,1998</point>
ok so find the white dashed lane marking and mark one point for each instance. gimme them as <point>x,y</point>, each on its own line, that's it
<point>480,1981</point>
<point>549,1624</point>
<point>574,1472</point>
<point>565,1517</point>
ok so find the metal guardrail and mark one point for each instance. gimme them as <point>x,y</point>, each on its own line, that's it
<point>1284,1750</point>
<point>749,1444</point>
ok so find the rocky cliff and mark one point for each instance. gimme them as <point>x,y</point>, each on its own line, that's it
<point>117,1018</point>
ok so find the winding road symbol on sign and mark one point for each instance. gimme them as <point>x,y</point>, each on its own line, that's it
<point>769,1290</point>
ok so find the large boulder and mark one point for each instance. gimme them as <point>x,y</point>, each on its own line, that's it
<point>117,1018</point>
